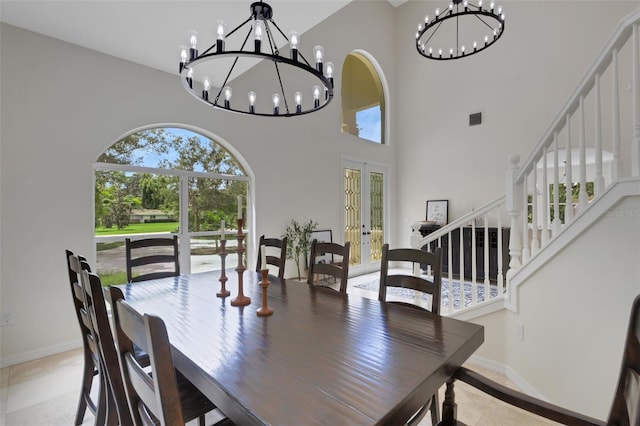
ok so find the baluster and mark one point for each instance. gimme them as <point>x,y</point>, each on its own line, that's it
<point>582,192</point>
<point>486,258</point>
<point>500,277</point>
<point>526,240</point>
<point>461,303</point>
<point>615,115</point>
<point>568,211</point>
<point>556,224</point>
<point>450,271</point>
<point>598,180</point>
<point>474,260</point>
<point>513,204</point>
<point>635,147</point>
<point>534,211</point>
<point>545,202</point>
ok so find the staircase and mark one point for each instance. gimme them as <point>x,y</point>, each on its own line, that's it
<point>587,146</point>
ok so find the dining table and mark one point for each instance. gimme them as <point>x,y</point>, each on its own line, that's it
<point>321,358</point>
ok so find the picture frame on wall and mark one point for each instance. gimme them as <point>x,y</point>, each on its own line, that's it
<point>438,212</point>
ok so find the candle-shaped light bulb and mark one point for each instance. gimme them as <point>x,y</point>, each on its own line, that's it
<point>252,102</point>
<point>316,96</point>
<point>263,255</point>
<point>257,32</point>
<point>294,41</point>
<point>222,230</point>
<point>486,40</point>
<point>227,96</point>
<point>220,30</point>
<point>190,78</point>
<point>318,54</point>
<point>183,57</point>
<point>451,52</point>
<point>298,98</point>
<point>450,6</point>
<point>426,19</point>
<point>502,16</point>
<point>419,27</point>
<point>492,6</point>
<point>417,35</point>
<point>465,3</point>
<point>276,103</point>
<point>430,51</point>
<point>499,10</point>
<point>440,52</point>
<point>462,49</point>
<point>437,13</point>
<point>475,45</point>
<point>480,4</point>
<point>193,41</point>
<point>330,67</point>
<point>206,86</point>
<point>220,40</point>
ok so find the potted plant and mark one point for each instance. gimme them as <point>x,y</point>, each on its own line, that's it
<point>298,240</point>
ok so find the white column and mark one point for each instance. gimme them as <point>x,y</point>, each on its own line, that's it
<point>526,240</point>
<point>486,258</point>
<point>450,272</point>
<point>582,193</point>
<point>615,115</point>
<point>500,277</point>
<point>598,180</point>
<point>474,259</point>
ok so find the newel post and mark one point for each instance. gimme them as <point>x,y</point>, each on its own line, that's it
<point>513,197</point>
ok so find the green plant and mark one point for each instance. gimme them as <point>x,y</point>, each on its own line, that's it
<point>298,240</point>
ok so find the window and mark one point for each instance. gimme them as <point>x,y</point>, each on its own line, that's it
<point>164,181</point>
<point>363,99</point>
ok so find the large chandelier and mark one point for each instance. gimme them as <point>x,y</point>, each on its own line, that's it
<point>463,29</point>
<point>247,74</point>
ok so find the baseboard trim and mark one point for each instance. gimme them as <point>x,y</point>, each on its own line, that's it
<point>509,373</point>
<point>20,358</point>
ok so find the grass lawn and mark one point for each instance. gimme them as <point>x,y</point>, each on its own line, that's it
<point>138,228</point>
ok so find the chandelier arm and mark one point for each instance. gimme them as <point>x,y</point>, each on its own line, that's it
<point>235,61</point>
<point>233,31</point>
<point>483,21</point>
<point>433,33</point>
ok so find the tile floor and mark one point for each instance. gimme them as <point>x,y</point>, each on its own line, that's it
<point>44,392</point>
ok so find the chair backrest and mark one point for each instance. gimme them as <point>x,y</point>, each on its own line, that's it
<point>626,403</point>
<point>278,261</point>
<point>152,251</point>
<point>413,282</point>
<point>103,338</point>
<point>337,267</point>
<point>153,393</point>
<point>75,264</point>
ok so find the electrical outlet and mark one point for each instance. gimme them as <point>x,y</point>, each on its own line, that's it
<point>520,331</point>
<point>6,318</point>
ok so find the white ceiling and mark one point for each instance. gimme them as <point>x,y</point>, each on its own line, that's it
<point>149,32</point>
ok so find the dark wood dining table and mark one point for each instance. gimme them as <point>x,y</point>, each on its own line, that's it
<point>322,358</point>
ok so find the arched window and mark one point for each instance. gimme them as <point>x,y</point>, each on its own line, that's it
<point>162,181</point>
<point>363,99</point>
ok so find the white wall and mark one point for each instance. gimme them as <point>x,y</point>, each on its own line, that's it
<point>62,105</point>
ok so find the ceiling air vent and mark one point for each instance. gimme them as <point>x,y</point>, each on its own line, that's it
<point>475,119</point>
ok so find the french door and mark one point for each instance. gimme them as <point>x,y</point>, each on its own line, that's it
<point>365,214</point>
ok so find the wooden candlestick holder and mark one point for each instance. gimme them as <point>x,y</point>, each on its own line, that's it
<point>240,299</point>
<point>264,310</point>
<point>223,276</point>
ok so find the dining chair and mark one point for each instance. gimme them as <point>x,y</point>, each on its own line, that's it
<point>429,287</point>
<point>95,305</point>
<point>160,252</point>
<point>158,394</point>
<point>331,259</point>
<point>625,409</point>
<point>278,261</point>
<point>91,367</point>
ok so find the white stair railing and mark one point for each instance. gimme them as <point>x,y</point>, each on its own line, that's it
<point>472,250</point>
<point>562,175</point>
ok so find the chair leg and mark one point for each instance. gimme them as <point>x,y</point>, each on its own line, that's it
<point>435,409</point>
<point>85,390</point>
<point>201,420</point>
<point>103,396</point>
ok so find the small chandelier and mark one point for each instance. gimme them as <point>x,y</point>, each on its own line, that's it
<point>256,52</point>
<point>461,30</point>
